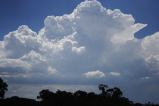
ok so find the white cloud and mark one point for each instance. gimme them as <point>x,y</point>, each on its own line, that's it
<point>14,63</point>
<point>51,70</point>
<point>145,78</point>
<point>150,50</point>
<point>94,74</point>
<point>79,50</point>
<point>115,73</point>
<point>20,42</point>
<point>91,37</point>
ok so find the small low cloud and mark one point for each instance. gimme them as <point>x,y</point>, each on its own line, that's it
<point>51,70</point>
<point>145,78</point>
<point>94,74</point>
<point>115,73</point>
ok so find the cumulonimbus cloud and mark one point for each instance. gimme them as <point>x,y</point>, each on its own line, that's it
<point>92,37</point>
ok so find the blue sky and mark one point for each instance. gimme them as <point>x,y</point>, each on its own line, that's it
<point>90,45</point>
<point>14,13</point>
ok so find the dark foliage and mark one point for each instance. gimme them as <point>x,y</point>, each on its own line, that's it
<point>107,97</point>
<point>3,88</point>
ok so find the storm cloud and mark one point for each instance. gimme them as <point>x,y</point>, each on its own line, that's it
<point>91,45</point>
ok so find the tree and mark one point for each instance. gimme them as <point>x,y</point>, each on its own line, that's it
<point>80,93</point>
<point>117,93</point>
<point>45,95</point>
<point>3,88</point>
<point>110,92</point>
<point>103,88</point>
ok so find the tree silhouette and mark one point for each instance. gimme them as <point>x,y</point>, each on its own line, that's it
<point>3,88</point>
<point>110,92</point>
<point>80,93</point>
<point>108,97</point>
<point>45,95</point>
<point>114,93</point>
<point>117,93</point>
<point>103,88</point>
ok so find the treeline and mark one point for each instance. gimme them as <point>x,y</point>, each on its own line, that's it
<point>107,97</point>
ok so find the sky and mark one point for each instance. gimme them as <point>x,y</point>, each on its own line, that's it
<point>33,12</point>
<point>80,44</point>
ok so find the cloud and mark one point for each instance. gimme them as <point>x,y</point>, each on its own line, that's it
<point>100,74</point>
<point>13,63</point>
<point>115,73</point>
<point>94,74</point>
<point>79,50</point>
<point>51,70</point>
<point>145,78</point>
<point>92,37</point>
<point>150,50</point>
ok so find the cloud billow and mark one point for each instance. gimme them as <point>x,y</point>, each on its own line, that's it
<point>68,48</point>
